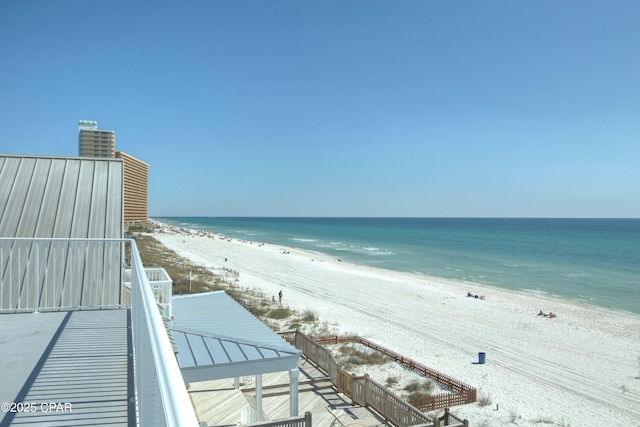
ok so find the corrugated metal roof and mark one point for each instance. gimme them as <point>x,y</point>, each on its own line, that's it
<point>217,338</point>
<point>66,197</point>
<point>60,197</point>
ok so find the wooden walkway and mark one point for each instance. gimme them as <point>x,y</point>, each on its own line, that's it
<point>218,404</point>
<point>82,375</point>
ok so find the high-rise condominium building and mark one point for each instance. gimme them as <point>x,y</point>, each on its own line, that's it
<point>93,142</point>
<point>102,143</point>
<point>136,188</point>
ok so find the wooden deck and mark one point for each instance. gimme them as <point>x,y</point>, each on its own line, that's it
<point>218,404</point>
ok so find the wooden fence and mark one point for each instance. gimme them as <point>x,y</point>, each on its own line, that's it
<point>367,392</point>
<point>459,394</point>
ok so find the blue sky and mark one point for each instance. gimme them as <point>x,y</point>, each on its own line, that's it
<point>340,108</point>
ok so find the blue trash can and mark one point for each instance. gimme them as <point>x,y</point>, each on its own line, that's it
<point>481,358</point>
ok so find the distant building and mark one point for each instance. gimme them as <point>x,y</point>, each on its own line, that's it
<point>93,142</point>
<point>136,188</point>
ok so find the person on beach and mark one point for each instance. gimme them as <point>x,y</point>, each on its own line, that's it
<point>551,314</point>
<point>280,296</point>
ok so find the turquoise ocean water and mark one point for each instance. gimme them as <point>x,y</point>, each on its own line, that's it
<point>594,261</point>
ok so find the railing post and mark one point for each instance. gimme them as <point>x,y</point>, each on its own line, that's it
<point>353,390</point>
<point>18,293</point>
<point>366,390</point>
<point>2,277</point>
<point>307,419</point>
<point>36,248</point>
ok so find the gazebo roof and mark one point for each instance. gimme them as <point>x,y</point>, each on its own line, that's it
<point>217,338</point>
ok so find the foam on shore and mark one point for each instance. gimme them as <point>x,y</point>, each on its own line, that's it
<point>579,369</point>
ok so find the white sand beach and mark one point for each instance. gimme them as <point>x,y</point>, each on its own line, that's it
<point>578,369</point>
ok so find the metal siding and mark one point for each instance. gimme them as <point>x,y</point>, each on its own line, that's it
<point>15,199</point>
<point>106,201</point>
<point>115,208</point>
<point>5,175</point>
<point>37,190</point>
<point>53,200</point>
<point>32,198</point>
<point>97,201</point>
<point>66,202</point>
<point>59,197</point>
<point>82,211</point>
<point>49,183</point>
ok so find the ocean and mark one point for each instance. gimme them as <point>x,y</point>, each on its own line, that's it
<point>592,261</point>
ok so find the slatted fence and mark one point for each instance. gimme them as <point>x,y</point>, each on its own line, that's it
<point>459,394</point>
<point>366,392</point>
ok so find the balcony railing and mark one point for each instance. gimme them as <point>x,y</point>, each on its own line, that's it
<point>160,390</point>
<point>60,274</point>
<point>77,274</point>
<point>161,286</point>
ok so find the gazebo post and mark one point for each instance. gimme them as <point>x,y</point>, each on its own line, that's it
<point>293,392</point>
<point>259,397</point>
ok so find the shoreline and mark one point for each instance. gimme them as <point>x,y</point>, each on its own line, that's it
<point>577,369</point>
<point>554,282</point>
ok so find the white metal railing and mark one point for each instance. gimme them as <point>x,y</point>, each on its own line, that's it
<point>161,394</point>
<point>54,274</point>
<point>161,286</point>
<point>72,274</point>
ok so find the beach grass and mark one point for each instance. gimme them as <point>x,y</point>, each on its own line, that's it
<point>351,355</point>
<point>419,388</point>
<point>309,315</point>
<point>187,277</point>
<point>280,313</point>
<point>190,278</point>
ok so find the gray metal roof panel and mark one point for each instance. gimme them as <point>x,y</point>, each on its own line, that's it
<point>201,349</point>
<point>185,357</point>
<point>218,314</point>
<point>216,351</point>
<point>61,197</point>
<point>218,338</point>
<point>58,197</point>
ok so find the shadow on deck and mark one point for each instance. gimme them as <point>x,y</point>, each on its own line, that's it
<point>67,368</point>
